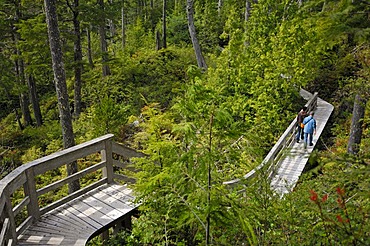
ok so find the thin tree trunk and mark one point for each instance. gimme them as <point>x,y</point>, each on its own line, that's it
<point>103,41</point>
<point>219,7</point>
<point>112,28</point>
<point>34,100</point>
<point>89,50</point>
<point>123,26</point>
<point>19,70</point>
<point>164,35</point>
<point>247,10</point>
<point>61,86</point>
<point>355,136</point>
<point>77,60</point>
<point>17,116</point>
<point>157,40</point>
<point>198,53</point>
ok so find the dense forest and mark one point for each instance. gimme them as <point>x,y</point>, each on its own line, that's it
<point>204,88</point>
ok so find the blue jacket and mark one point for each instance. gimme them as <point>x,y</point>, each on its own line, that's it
<point>309,124</point>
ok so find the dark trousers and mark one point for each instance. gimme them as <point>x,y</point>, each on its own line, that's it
<point>299,133</point>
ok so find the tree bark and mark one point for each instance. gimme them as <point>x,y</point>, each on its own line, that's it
<point>17,116</point>
<point>60,85</point>
<point>123,26</point>
<point>89,50</point>
<point>247,10</point>
<point>34,100</point>
<point>164,34</point>
<point>355,136</point>
<point>198,53</point>
<point>77,60</point>
<point>103,41</point>
<point>19,70</point>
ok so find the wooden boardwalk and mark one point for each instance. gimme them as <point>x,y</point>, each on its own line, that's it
<point>76,222</point>
<point>75,218</point>
<point>291,166</point>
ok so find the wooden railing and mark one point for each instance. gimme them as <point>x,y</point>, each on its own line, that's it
<point>273,157</point>
<point>23,181</point>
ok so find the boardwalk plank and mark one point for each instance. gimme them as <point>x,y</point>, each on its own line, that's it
<point>74,222</point>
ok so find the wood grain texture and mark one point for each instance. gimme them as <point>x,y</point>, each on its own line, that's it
<point>76,221</point>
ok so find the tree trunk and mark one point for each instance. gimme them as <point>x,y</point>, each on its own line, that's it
<point>356,125</point>
<point>112,27</point>
<point>89,51</point>
<point>157,40</point>
<point>103,41</point>
<point>77,60</point>
<point>34,100</point>
<point>60,85</point>
<point>17,116</point>
<point>247,10</point>
<point>198,53</point>
<point>123,26</point>
<point>19,70</point>
<point>164,35</point>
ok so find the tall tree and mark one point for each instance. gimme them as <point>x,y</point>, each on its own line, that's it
<point>77,57</point>
<point>60,85</point>
<point>164,17</point>
<point>34,100</point>
<point>103,40</point>
<point>19,70</point>
<point>198,52</point>
<point>356,125</point>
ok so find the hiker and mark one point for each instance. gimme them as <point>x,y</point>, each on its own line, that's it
<point>301,115</point>
<point>309,129</point>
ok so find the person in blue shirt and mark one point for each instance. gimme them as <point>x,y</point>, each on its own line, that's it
<point>309,129</point>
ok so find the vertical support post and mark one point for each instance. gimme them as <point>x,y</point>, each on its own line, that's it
<point>127,223</point>
<point>9,211</point>
<point>106,154</point>
<point>33,208</point>
<point>105,236</point>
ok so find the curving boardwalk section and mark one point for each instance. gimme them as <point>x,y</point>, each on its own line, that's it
<point>79,220</point>
<point>106,202</point>
<point>291,165</point>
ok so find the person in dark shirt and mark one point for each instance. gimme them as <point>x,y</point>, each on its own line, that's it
<point>301,115</point>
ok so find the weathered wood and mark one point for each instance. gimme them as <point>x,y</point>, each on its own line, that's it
<point>70,178</point>
<point>124,178</point>
<point>26,223</point>
<point>18,208</point>
<point>4,230</point>
<point>125,165</point>
<point>30,191</point>
<point>9,211</point>
<point>125,151</point>
<point>72,196</point>
<point>106,155</point>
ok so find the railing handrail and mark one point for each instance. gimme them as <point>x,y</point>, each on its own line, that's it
<point>275,153</point>
<point>24,176</point>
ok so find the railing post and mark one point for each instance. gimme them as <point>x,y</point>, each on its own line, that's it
<point>107,157</point>
<point>30,191</point>
<point>9,211</point>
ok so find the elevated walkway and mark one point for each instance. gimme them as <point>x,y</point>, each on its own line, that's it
<point>292,164</point>
<point>74,219</point>
<point>287,159</point>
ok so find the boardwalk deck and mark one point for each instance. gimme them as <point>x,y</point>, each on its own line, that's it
<point>291,166</point>
<point>77,221</point>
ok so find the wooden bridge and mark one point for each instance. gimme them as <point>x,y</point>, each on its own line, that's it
<point>108,201</point>
<point>287,159</point>
<point>76,218</point>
